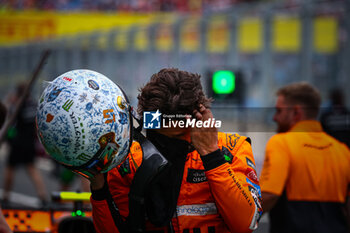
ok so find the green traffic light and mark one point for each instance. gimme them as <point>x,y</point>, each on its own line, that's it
<point>223,82</point>
<point>78,213</point>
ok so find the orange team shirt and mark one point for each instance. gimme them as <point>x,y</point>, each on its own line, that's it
<point>310,170</point>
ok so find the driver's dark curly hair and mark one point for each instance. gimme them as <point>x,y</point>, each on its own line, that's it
<point>172,91</point>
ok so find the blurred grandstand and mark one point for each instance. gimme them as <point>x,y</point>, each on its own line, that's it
<point>122,5</point>
<point>269,43</point>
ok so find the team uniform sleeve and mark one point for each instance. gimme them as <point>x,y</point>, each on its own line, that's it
<point>114,195</point>
<point>102,217</point>
<point>276,165</point>
<point>101,212</point>
<point>236,196</point>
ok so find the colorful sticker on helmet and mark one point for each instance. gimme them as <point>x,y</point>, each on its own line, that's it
<point>103,141</point>
<point>88,106</point>
<point>93,84</point>
<point>109,148</point>
<point>67,105</point>
<point>49,118</point>
<point>83,97</point>
<point>67,79</point>
<point>54,93</point>
<point>96,99</point>
<point>83,157</point>
<point>123,118</point>
<point>109,115</point>
<point>120,102</point>
<point>107,138</point>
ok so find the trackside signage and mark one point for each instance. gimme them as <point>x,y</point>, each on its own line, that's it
<point>157,120</point>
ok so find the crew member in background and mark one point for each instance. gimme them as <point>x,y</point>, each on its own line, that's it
<point>306,173</point>
<point>22,140</point>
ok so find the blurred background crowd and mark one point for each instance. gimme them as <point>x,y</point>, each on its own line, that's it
<point>125,5</point>
<point>261,44</point>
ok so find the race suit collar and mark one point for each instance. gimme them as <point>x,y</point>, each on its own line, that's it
<point>171,148</point>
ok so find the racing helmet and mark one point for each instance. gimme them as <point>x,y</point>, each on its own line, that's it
<point>84,122</point>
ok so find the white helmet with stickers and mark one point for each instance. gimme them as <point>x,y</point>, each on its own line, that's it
<point>84,122</point>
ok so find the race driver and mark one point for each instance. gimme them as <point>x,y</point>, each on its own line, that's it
<point>210,184</point>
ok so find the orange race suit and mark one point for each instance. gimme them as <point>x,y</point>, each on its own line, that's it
<point>310,171</point>
<point>219,192</point>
